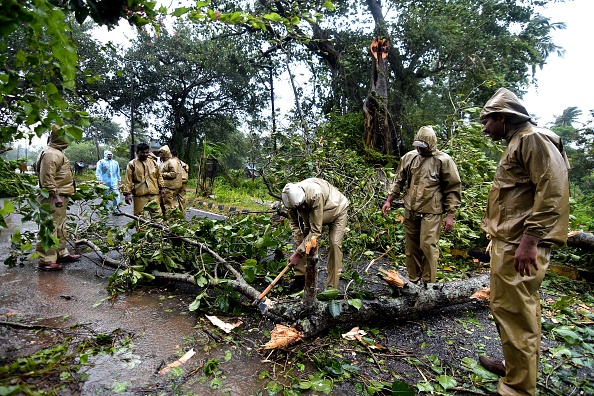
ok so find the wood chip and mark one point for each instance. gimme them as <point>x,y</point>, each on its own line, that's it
<point>226,327</point>
<point>178,362</point>
<point>392,278</point>
<point>282,336</point>
<point>484,294</point>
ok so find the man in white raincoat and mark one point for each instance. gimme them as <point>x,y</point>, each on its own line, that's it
<point>108,173</point>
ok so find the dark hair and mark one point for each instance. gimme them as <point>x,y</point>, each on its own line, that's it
<point>174,152</point>
<point>142,147</point>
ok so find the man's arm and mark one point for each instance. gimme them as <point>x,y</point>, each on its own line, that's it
<point>398,183</point>
<point>451,185</point>
<point>547,170</point>
<point>128,183</point>
<point>526,253</point>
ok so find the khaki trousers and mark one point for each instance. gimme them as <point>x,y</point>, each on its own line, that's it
<point>59,220</point>
<point>182,198</point>
<point>422,234</point>
<point>335,235</point>
<point>140,201</point>
<point>171,200</point>
<point>515,303</point>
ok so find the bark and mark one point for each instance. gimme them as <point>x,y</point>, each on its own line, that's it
<point>311,280</point>
<point>375,108</point>
<point>414,299</point>
<point>582,240</point>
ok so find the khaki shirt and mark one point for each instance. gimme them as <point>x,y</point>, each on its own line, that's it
<point>530,192</point>
<point>54,172</point>
<point>172,174</point>
<point>143,178</point>
<point>432,183</point>
<point>323,204</point>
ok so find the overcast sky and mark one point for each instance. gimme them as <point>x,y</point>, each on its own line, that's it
<point>568,81</point>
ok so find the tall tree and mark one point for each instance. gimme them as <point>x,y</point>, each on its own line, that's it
<point>568,117</point>
<point>188,86</point>
<point>438,50</point>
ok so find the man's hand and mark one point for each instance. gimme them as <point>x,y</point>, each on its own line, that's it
<point>295,259</point>
<point>526,254</point>
<point>387,206</point>
<point>448,223</point>
<point>56,200</point>
<point>128,199</point>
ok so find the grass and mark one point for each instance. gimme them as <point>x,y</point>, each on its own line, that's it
<point>248,194</point>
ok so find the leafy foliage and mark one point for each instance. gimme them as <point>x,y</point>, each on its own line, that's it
<point>13,183</point>
<point>52,369</point>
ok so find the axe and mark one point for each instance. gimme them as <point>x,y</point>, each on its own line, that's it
<point>263,304</point>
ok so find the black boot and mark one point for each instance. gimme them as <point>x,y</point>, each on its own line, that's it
<point>297,284</point>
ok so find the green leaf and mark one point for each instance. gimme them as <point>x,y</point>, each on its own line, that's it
<point>335,308</point>
<point>446,381</point>
<point>425,386</point>
<point>7,209</point>
<point>119,387</point>
<point>568,335</point>
<point>215,383</point>
<point>400,388</point>
<point>180,11</point>
<point>325,386</point>
<point>305,385</point>
<point>329,6</point>
<point>196,303</point>
<point>328,295</point>
<point>273,16</point>
<point>210,367</point>
<point>355,303</point>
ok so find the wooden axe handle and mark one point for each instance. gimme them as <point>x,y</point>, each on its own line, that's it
<point>274,282</point>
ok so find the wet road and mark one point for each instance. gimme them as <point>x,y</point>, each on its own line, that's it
<point>157,316</point>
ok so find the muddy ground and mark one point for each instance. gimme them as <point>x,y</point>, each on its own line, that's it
<point>160,327</point>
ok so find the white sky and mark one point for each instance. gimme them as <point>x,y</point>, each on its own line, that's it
<point>566,82</point>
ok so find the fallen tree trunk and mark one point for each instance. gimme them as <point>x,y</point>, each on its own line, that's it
<point>323,315</point>
<point>413,299</point>
<point>582,240</point>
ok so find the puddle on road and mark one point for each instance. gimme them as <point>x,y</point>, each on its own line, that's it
<point>158,320</point>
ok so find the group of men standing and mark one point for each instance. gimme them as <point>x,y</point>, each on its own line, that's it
<point>146,180</point>
<point>527,213</point>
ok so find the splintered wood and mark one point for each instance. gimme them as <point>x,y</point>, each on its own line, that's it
<point>282,336</point>
<point>392,278</point>
<point>178,362</point>
<point>313,243</point>
<point>484,294</point>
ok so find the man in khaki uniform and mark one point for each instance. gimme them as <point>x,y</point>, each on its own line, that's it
<point>143,181</point>
<point>55,175</point>
<point>185,168</point>
<point>527,213</point>
<point>311,204</point>
<point>171,171</point>
<point>432,183</point>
